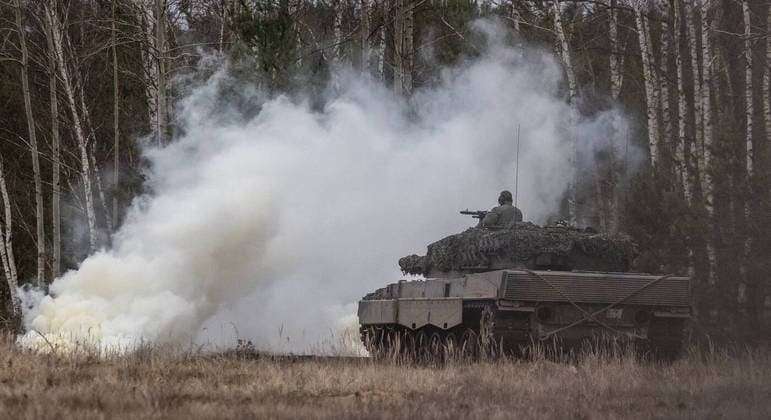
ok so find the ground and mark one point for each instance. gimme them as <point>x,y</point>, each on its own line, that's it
<point>156,383</point>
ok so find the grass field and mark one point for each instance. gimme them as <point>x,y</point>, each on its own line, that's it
<point>156,383</point>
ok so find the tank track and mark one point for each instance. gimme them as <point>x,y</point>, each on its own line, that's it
<point>485,332</point>
<point>489,333</point>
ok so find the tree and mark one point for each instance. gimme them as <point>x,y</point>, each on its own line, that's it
<point>6,248</point>
<point>58,37</point>
<point>564,51</point>
<point>649,78</point>
<point>39,216</point>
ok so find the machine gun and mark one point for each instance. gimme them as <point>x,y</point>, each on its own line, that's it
<point>478,214</point>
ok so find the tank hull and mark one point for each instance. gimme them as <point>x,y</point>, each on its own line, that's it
<point>514,311</point>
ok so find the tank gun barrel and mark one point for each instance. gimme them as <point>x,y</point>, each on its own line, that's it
<point>476,214</point>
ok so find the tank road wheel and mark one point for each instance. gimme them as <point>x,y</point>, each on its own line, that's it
<point>487,342</point>
<point>450,345</point>
<point>469,344</point>
<point>374,340</point>
<point>435,347</point>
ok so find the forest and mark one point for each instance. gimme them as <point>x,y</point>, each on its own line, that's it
<point>86,84</point>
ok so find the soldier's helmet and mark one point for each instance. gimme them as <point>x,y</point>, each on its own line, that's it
<point>505,197</point>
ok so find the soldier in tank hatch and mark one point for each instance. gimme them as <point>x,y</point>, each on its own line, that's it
<point>504,214</point>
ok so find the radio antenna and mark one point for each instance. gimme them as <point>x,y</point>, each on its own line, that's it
<point>516,172</point>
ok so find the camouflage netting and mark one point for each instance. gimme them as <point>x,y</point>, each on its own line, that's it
<point>523,244</point>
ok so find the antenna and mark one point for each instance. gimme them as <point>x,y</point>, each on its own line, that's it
<point>516,172</point>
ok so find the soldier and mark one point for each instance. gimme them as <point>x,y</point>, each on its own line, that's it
<point>504,214</point>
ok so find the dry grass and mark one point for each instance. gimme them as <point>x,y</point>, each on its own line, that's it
<point>156,383</point>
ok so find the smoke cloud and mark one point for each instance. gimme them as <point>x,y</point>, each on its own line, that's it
<point>268,218</point>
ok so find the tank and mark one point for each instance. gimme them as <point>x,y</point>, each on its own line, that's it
<point>503,290</point>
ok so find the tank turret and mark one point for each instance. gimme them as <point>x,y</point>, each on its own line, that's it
<point>522,245</point>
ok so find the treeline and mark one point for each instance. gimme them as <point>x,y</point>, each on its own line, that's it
<point>83,80</point>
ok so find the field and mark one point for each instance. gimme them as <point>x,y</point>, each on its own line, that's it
<point>160,383</point>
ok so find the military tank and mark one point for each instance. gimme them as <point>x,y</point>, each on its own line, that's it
<point>506,289</point>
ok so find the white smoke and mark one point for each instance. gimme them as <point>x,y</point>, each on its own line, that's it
<point>269,227</point>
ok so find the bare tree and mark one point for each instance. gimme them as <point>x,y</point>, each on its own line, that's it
<point>160,43</point>
<point>364,33</point>
<point>6,247</point>
<point>616,58</point>
<point>56,226</point>
<point>682,148</point>
<point>116,110</point>
<point>649,76</point>
<point>767,79</point>
<point>39,221</point>
<point>666,41</point>
<point>404,48</point>
<point>57,35</point>
<point>698,146</point>
<point>337,28</point>
<point>564,52</point>
<point>749,109</point>
<point>706,106</point>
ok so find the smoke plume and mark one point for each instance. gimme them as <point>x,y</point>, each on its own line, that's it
<point>268,218</point>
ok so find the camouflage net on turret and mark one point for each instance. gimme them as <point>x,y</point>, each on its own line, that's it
<point>523,244</point>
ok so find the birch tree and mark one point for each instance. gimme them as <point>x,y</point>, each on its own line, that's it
<point>749,109</point>
<point>160,43</point>
<point>564,52</point>
<point>682,148</point>
<point>404,50</point>
<point>767,80</point>
<point>6,247</point>
<point>364,34</point>
<point>57,35</point>
<point>649,78</point>
<point>337,29</point>
<point>116,109</point>
<point>39,221</point>
<point>616,59</point>
<point>705,164</point>
<point>698,150</point>
<point>666,41</point>
<point>56,231</point>
<point>706,107</point>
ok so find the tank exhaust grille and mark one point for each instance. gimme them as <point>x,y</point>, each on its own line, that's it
<point>596,288</point>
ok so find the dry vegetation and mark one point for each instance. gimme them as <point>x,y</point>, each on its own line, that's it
<point>155,383</point>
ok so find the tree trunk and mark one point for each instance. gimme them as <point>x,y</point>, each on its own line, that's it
<point>56,226</point>
<point>666,42</point>
<point>398,66</point>
<point>408,47</point>
<point>380,46</point>
<point>149,63</point>
<point>160,39</point>
<point>749,109</point>
<point>39,215</point>
<point>223,23</point>
<point>706,107</point>
<point>767,82</point>
<point>616,58</point>
<point>54,25</point>
<point>364,35</point>
<point>650,90</point>
<point>564,52</point>
<point>572,92</point>
<point>685,150</point>
<point>6,249</point>
<point>116,115</point>
<point>697,151</point>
